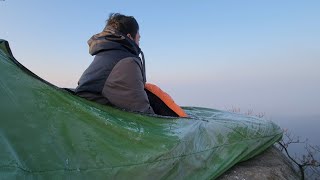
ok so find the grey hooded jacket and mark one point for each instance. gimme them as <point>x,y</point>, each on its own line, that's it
<point>116,76</point>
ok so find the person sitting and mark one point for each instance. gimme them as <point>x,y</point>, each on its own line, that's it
<point>117,74</point>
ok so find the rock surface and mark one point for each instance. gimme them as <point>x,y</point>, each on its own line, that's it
<point>271,164</point>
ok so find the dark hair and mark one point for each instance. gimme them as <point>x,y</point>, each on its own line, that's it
<point>123,24</point>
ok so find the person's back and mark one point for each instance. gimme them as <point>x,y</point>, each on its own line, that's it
<point>116,76</point>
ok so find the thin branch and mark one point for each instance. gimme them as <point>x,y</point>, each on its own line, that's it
<point>299,165</point>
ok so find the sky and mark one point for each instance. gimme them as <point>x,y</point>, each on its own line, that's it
<point>252,55</point>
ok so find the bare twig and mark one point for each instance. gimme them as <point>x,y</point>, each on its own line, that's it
<point>307,160</point>
<point>293,160</point>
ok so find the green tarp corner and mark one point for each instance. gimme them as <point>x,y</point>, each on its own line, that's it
<point>48,133</point>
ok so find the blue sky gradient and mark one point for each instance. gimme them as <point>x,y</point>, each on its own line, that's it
<point>259,55</point>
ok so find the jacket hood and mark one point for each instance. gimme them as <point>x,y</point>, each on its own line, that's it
<point>110,39</point>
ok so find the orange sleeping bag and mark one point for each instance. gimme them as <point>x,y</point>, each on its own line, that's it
<point>158,97</point>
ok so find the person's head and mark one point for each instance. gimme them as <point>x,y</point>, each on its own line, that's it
<point>126,25</point>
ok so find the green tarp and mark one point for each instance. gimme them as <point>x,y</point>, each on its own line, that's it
<point>48,133</point>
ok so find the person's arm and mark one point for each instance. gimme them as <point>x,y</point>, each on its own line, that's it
<point>124,87</point>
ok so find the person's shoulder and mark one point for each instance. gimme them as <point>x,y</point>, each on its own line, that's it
<point>131,60</point>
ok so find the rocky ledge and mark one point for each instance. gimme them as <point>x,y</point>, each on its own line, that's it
<point>271,164</point>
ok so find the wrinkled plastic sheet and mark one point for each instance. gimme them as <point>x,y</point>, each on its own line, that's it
<point>48,133</point>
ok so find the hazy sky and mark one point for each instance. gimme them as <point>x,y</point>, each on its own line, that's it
<point>260,55</point>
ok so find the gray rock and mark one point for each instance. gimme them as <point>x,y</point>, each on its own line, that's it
<point>271,164</point>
